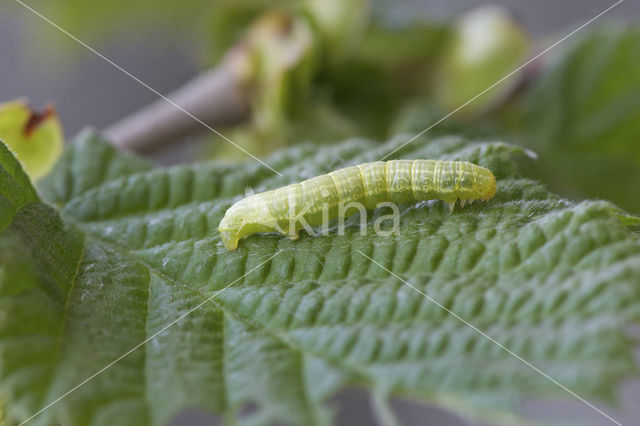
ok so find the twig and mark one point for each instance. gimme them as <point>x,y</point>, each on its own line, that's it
<point>215,97</point>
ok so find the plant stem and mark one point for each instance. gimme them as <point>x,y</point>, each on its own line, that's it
<point>215,97</point>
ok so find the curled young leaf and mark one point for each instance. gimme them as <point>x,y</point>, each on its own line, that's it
<point>35,137</point>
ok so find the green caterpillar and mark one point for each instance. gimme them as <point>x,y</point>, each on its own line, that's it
<point>320,198</point>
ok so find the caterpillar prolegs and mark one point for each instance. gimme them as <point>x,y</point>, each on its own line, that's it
<point>398,181</point>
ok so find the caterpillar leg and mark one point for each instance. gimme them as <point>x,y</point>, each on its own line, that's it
<point>451,201</point>
<point>293,236</point>
<point>230,239</point>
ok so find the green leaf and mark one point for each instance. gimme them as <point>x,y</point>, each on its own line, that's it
<point>219,23</point>
<point>583,116</point>
<point>16,190</point>
<point>39,258</point>
<point>79,17</point>
<point>137,248</point>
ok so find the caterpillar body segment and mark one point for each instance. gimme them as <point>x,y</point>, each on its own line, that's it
<point>319,199</point>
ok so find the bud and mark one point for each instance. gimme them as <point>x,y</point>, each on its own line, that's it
<point>341,23</point>
<point>35,137</point>
<point>487,44</point>
<point>276,62</point>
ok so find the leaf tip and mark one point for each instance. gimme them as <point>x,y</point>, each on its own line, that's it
<point>37,118</point>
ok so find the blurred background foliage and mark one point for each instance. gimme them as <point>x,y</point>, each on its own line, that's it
<point>324,70</point>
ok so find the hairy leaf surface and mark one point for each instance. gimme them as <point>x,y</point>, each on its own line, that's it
<point>132,248</point>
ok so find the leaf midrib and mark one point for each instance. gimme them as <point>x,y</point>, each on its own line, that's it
<point>223,308</point>
<point>360,372</point>
<point>58,353</point>
<point>246,321</point>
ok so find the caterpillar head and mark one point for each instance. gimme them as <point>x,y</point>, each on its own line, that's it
<point>231,225</point>
<point>229,232</point>
<point>242,219</point>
